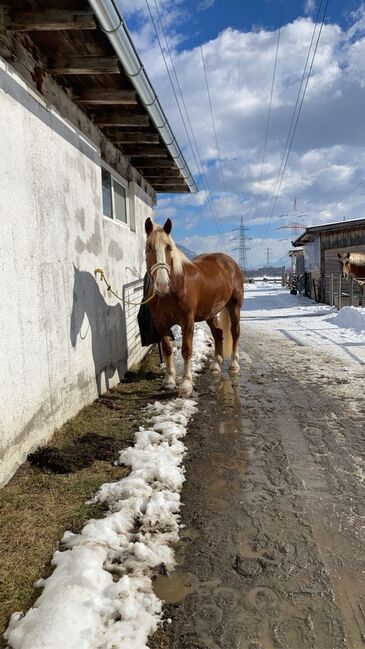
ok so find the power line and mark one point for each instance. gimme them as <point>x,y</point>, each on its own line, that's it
<point>210,102</point>
<point>170,78</point>
<point>200,167</point>
<point>296,114</point>
<point>270,101</point>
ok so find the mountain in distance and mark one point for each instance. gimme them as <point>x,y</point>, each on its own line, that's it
<point>188,253</point>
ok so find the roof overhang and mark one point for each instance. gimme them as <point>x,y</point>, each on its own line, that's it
<point>315,231</point>
<point>87,48</point>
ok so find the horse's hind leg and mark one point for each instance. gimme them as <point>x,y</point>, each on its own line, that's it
<point>234,310</point>
<point>169,382</point>
<point>217,333</point>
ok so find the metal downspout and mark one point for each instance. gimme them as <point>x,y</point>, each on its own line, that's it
<point>115,28</point>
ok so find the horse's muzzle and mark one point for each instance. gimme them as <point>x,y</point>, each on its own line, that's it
<point>162,290</point>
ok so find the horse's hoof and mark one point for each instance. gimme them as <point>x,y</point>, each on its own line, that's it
<point>169,384</point>
<point>234,367</point>
<point>186,390</point>
<point>215,368</point>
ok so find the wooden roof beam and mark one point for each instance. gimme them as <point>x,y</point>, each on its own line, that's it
<point>164,174</point>
<point>167,183</point>
<point>140,137</point>
<point>50,20</point>
<point>106,96</point>
<point>174,189</point>
<point>145,151</point>
<point>147,163</point>
<point>120,119</point>
<point>84,65</point>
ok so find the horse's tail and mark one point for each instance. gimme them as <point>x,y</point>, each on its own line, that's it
<point>225,319</point>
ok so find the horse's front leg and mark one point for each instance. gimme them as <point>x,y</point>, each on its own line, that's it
<point>169,382</point>
<point>186,387</point>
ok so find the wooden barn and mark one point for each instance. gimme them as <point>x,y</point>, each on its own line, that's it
<point>321,243</point>
<point>85,148</point>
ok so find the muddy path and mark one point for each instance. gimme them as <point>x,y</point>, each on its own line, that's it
<point>272,554</point>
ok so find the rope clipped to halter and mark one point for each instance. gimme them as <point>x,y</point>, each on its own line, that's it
<point>99,271</point>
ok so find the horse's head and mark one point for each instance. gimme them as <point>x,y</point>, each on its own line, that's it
<point>345,265</point>
<point>160,248</point>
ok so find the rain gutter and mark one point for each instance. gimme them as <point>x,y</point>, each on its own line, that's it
<point>113,25</point>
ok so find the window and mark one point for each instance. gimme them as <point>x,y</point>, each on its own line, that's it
<point>107,193</point>
<point>120,203</point>
<point>114,197</point>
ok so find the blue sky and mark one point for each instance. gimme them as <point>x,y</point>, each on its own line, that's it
<point>324,178</point>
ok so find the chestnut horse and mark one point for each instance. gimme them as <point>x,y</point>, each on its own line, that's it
<point>210,288</point>
<point>353,264</point>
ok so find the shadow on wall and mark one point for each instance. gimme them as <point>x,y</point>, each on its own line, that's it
<point>106,325</point>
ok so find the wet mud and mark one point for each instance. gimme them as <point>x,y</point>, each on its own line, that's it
<point>272,551</point>
<point>82,452</point>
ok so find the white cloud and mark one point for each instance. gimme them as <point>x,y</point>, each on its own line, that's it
<point>309,6</point>
<point>203,5</point>
<point>328,153</point>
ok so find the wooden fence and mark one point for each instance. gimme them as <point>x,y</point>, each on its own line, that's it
<point>343,292</point>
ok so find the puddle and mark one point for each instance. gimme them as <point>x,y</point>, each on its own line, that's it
<point>189,533</point>
<point>175,587</point>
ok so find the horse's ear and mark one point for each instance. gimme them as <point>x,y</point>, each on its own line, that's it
<point>148,226</point>
<point>348,255</point>
<point>339,255</point>
<point>168,226</point>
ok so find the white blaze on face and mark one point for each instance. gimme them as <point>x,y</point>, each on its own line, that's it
<point>162,280</point>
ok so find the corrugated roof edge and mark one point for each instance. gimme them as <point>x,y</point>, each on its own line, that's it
<point>334,225</point>
<point>112,23</point>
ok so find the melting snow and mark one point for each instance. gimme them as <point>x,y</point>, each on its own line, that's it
<point>100,593</point>
<point>272,308</point>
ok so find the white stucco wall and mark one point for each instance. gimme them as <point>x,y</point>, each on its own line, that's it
<point>62,336</point>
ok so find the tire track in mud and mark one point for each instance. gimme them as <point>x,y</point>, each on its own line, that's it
<point>272,554</point>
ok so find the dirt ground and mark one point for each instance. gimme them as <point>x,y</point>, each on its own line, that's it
<point>47,495</point>
<point>272,544</point>
<point>272,553</point>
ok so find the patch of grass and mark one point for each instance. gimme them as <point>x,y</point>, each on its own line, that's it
<point>38,506</point>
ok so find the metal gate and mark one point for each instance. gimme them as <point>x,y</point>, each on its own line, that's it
<point>133,292</point>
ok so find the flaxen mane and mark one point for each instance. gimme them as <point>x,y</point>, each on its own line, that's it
<point>357,258</point>
<point>158,237</point>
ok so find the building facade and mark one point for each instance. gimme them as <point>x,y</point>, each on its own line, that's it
<point>321,244</point>
<point>73,199</point>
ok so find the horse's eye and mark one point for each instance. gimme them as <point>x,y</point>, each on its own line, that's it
<point>168,248</point>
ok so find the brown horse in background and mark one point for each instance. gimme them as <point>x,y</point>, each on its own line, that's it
<point>353,264</point>
<point>210,288</point>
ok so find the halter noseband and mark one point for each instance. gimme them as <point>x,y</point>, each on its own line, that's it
<point>158,265</point>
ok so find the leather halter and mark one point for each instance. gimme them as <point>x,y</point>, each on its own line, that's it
<point>158,265</point>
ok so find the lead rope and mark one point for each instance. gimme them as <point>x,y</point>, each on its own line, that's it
<point>99,271</point>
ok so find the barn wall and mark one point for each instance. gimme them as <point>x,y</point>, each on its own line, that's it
<point>352,240</point>
<point>63,338</point>
<point>331,266</point>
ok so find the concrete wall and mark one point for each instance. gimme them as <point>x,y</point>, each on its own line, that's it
<point>62,337</point>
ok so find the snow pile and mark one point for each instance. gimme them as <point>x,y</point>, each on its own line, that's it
<point>306,323</point>
<point>350,317</point>
<point>100,593</point>
<point>202,347</point>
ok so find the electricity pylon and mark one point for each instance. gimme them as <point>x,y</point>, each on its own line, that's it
<point>242,245</point>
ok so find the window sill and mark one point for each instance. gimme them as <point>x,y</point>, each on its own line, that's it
<point>125,226</point>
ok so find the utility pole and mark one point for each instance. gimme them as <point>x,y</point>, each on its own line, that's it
<point>268,251</point>
<point>294,226</point>
<point>242,246</point>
